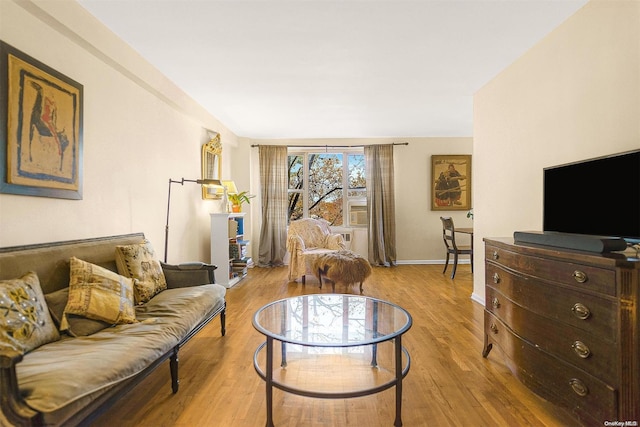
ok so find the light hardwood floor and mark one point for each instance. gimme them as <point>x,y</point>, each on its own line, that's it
<point>449,384</point>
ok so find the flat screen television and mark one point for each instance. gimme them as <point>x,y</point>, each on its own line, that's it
<point>598,197</point>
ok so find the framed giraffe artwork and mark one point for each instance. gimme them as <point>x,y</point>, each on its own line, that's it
<point>40,128</point>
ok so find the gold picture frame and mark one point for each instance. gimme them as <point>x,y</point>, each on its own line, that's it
<point>451,182</point>
<point>212,165</point>
<point>40,128</point>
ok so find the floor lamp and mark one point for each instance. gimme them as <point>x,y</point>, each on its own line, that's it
<point>181,182</point>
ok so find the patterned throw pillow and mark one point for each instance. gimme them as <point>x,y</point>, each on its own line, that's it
<point>25,322</point>
<point>78,326</point>
<point>99,294</point>
<point>139,262</point>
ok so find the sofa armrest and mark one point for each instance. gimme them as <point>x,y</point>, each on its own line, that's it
<point>13,407</point>
<point>188,274</point>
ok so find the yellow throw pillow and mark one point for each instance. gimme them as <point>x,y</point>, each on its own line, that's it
<point>99,294</point>
<point>139,262</point>
<point>25,322</point>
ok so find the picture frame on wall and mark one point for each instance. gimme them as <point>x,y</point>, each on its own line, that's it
<point>451,182</point>
<point>40,128</point>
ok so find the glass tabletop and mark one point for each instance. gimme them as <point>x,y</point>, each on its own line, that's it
<point>332,320</point>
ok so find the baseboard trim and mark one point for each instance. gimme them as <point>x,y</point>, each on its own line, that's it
<point>476,298</point>
<point>429,262</point>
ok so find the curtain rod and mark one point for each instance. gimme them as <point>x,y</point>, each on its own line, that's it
<point>333,146</point>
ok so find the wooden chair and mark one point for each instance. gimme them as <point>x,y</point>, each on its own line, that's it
<point>449,237</point>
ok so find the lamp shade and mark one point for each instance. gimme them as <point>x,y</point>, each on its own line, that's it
<point>229,185</point>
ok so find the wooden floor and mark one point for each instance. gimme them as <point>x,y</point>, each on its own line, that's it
<point>449,384</point>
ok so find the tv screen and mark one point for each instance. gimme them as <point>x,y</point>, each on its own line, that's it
<point>598,197</point>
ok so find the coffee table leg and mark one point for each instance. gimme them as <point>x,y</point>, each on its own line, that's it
<point>374,350</point>
<point>398,342</point>
<point>269,382</point>
<point>374,356</point>
<point>283,331</point>
<point>283,362</point>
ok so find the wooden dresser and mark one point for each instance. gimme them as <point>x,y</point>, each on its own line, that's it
<point>567,323</point>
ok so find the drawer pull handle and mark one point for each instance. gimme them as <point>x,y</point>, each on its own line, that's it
<point>495,302</point>
<point>581,349</point>
<point>579,387</point>
<point>494,328</point>
<point>580,276</point>
<point>581,311</point>
<point>496,278</point>
<point>496,255</point>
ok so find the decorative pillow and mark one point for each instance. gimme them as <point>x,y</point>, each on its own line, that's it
<point>138,261</point>
<point>25,323</point>
<point>78,326</point>
<point>99,294</point>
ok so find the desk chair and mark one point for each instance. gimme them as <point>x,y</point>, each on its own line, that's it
<point>449,237</point>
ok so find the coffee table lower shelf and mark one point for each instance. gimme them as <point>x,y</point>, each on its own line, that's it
<point>384,378</point>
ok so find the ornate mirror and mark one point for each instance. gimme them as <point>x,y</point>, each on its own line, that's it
<point>211,164</point>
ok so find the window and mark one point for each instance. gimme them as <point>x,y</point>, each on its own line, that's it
<point>317,182</point>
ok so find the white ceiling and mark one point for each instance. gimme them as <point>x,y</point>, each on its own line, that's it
<point>334,69</point>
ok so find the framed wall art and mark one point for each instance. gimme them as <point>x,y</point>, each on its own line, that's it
<point>40,128</point>
<point>451,182</point>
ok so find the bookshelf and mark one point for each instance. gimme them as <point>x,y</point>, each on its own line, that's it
<point>229,248</point>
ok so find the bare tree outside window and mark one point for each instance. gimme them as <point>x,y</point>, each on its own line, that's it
<point>326,177</point>
<point>296,187</point>
<point>325,187</point>
<point>356,176</point>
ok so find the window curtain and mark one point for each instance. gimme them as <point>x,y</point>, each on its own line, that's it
<point>381,204</point>
<point>273,183</point>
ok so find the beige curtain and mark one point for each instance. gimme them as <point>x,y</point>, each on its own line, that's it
<point>273,182</point>
<point>381,204</point>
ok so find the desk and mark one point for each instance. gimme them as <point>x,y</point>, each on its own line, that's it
<point>340,345</point>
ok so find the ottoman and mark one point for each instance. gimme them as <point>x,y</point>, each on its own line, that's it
<point>341,266</point>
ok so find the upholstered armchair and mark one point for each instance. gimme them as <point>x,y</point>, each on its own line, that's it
<point>307,238</point>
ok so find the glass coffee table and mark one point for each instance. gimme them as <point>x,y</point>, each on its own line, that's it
<point>332,346</point>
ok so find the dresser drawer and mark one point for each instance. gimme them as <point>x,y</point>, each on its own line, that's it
<point>596,315</point>
<point>573,345</point>
<point>583,277</point>
<point>552,378</point>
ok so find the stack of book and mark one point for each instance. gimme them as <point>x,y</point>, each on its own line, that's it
<point>238,248</point>
<point>240,259</point>
<point>239,266</point>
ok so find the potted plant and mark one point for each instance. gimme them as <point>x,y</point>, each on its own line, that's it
<point>238,199</point>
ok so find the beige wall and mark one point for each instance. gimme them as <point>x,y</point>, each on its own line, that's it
<point>418,229</point>
<point>575,95</point>
<point>139,131</point>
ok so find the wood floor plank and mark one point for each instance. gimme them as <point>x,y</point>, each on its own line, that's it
<point>449,383</point>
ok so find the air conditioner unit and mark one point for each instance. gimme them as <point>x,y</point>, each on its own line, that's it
<point>358,213</point>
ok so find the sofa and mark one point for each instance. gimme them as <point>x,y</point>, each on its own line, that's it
<point>306,239</point>
<point>82,322</point>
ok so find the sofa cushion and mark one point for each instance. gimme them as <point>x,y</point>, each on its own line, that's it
<point>25,323</point>
<point>139,262</point>
<point>99,294</point>
<point>78,326</point>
